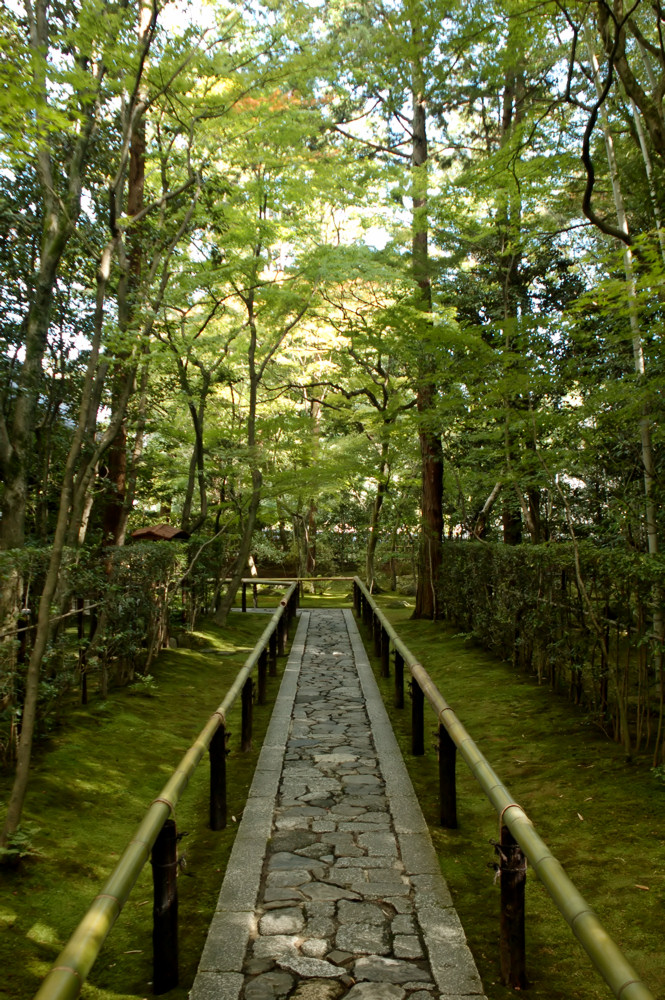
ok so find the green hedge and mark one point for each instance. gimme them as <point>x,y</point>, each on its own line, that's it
<point>111,617</point>
<point>594,642</point>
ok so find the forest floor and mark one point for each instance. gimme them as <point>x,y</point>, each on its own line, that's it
<point>93,778</point>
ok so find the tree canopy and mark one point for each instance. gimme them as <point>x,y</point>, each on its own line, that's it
<point>327,285</point>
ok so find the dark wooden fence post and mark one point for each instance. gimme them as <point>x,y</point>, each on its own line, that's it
<point>247,696</point>
<point>447,783</point>
<point>263,680</point>
<point>512,869</point>
<point>417,720</point>
<point>164,861</point>
<point>272,654</point>
<point>217,752</point>
<point>281,636</point>
<point>244,597</point>
<point>385,653</point>
<point>376,629</point>
<point>399,680</point>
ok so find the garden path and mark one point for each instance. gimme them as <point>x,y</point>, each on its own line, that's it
<point>333,889</point>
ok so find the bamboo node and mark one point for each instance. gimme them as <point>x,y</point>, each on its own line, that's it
<point>165,802</point>
<point>109,895</point>
<point>67,968</point>
<point>511,805</point>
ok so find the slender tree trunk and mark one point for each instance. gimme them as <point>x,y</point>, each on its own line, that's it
<point>300,538</point>
<point>197,462</point>
<point>257,479</point>
<point>29,715</point>
<point>373,532</point>
<point>310,537</point>
<point>393,556</point>
<point>136,453</point>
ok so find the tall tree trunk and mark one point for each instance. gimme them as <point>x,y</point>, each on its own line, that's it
<point>431,452</point>
<point>114,521</point>
<point>509,221</point>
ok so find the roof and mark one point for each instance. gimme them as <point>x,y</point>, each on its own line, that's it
<point>159,533</point>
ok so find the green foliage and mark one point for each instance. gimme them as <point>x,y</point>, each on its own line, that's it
<point>144,686</point>
<point>20,845</point>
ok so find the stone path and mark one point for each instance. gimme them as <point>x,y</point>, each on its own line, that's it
<point>333,888</point>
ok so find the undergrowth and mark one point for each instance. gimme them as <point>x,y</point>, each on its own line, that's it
<point>603,818</point>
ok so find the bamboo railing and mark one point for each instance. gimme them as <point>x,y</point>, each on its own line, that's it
<point>604,953</point>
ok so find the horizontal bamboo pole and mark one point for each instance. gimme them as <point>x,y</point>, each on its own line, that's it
<point>292,579</point>
<point>604,953</point>
<point>75,961</point>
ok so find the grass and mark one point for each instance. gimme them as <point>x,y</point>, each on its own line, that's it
<point>329,594</point>
<point>90,786</point>
<point>604,819</point>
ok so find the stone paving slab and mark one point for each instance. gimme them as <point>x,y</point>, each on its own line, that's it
<point>333,889</point>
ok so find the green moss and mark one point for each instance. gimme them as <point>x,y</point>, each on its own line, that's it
<point>602,818</point>
<point>90,786</point>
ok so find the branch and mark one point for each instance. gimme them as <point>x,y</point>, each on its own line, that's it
<point>287,329</point>
<point>393,150</point>
<point>164,200</point>
<point>481,518</point>
<point>644,42</point>
<point>603,90</point>
<point>196,556</point>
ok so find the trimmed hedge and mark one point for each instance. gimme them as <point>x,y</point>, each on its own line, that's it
<point>594,642</point>
<point>113,615</point>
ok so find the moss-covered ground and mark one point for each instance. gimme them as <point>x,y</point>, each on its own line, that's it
<point>93,779</point>
<point>90,786</point>
<point>603,818</point>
